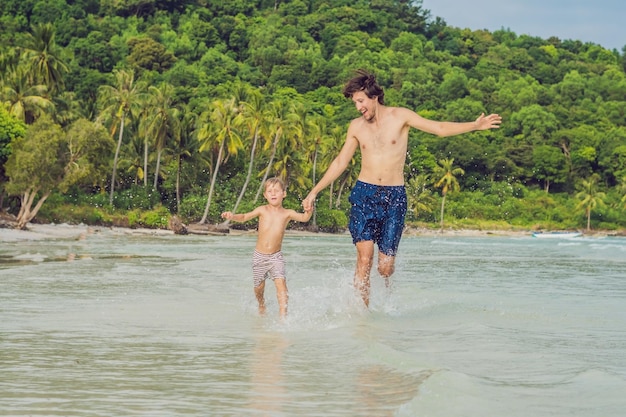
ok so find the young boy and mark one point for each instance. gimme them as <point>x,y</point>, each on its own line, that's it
<point>268,258</point>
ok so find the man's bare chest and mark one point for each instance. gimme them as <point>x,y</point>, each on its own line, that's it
<point>380,137</point>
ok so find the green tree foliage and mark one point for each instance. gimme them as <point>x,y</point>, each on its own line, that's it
<point>44,57</point>
<point>420,196</point>
<point>622,191</point>
<point>562,102</point>
<point>550,166</point>
<point>148,54</point>
<point>120,101</point>
<point>48,159</point>
<point>220,134</point>
<point>22,97</point>
<point>95,52</point>
<point>590,197</point>
<point>447,181</point>
<point>11,129</point>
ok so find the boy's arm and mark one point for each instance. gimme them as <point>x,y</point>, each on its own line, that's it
<point>242,217</point>
<point>301,217</point>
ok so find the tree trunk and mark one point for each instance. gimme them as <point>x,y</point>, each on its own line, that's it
<point>314,222</point>
<point>158,168</point>
<point>330,197</point>
<point>217,167</point>
<point>178,169</point>
<point>26,214</point>
<point>250,165</point>
<point>269,166</point>
<point>145,163</point>
<point>117,154</point>
<point>443,203</point>
<point>342,186</point>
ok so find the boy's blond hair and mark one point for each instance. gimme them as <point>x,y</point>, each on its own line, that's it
<point>275,180</point>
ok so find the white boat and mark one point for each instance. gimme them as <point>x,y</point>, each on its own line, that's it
<point>556,235</point>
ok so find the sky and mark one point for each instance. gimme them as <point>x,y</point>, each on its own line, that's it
<point>602,22</point>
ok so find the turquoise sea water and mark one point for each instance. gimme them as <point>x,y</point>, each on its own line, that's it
<point>114,324</point>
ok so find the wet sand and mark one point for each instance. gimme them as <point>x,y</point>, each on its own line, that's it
<point>66,231</point>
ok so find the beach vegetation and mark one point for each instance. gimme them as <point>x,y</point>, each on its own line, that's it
<point>447,181</point>
<point>590,197</point>
<point>111,108</point>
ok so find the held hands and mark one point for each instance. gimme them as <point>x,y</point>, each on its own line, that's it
<point>488,122</point>
<point>309,202</point>
<point>227,215</point>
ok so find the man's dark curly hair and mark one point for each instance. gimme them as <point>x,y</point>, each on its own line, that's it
<point>366,82</point>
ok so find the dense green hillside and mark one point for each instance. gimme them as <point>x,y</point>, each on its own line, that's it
<point>182,107</point>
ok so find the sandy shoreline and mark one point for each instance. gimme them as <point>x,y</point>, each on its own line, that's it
<point>66,231</point>
<point>38,231</point>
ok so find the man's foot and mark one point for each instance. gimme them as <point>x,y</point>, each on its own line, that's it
<point>262,309</point>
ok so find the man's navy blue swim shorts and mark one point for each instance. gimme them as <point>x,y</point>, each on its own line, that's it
<point>377,214</point>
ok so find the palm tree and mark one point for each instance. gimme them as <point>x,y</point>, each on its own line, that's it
<point>142,126</point>
<point>419,196</point>
<point>253,112</point>
<point>68,108</point>
<point>348,179</point>
<point>9,60</point>
<point>448,181</point>
<point>280,119</point>
<point>130,162</point>
<point>291,163</point>
<point>26,101</point>
<point>163,121</point>
<point>320,141</point>
<point>350,175</point>
<point>220,130</point>
<point>590,197</point>
<point>121,101</point>
<point>43,56</point>
<point>336,139</point>
<point>184,147</point>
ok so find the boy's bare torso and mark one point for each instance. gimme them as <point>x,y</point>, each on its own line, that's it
<point>272,224</point>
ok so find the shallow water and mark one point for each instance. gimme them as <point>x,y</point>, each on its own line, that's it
<point>115,324</point>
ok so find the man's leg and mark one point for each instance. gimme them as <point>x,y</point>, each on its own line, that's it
<point>282,295</point>
<point>260,297</point>
<point>364,260</point>
<point>386,266</point>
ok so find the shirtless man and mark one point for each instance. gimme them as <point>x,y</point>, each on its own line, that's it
<point>378,198</point>
<point>267,259</point>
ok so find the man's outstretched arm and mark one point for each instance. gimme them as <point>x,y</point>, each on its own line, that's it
<point>444,129</point>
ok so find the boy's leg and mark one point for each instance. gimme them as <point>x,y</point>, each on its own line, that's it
<point>364,260</point>
<point>260,297</point>
<point>282,295</point>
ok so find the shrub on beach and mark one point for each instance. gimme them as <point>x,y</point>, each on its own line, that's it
<point>73,214</point>
<point>331,220</point>
<point>157,218</point>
